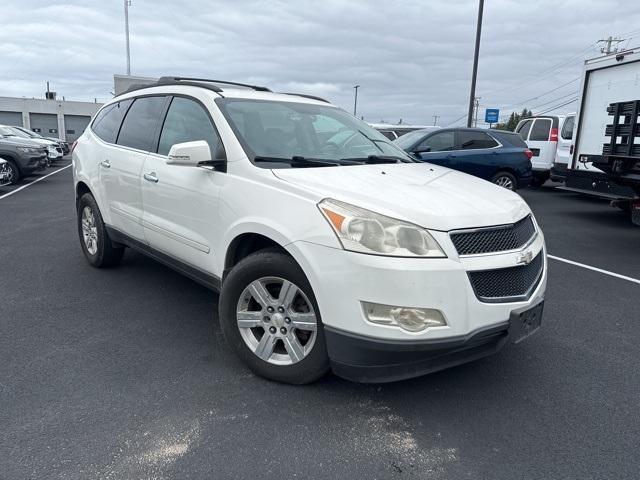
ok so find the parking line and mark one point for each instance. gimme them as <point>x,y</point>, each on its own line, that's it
<point>31,183</point>
<point>595,269</point>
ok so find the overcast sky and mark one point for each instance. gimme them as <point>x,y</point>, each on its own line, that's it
<point>412,58</point>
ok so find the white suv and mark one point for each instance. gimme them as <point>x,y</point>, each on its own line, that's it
<point>330,247</point>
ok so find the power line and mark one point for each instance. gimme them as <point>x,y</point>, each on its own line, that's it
<point>570,94</point>
<point>557,106</point>
<point>545,93</point>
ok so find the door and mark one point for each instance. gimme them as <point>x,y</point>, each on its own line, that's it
<point>563,154</point>
<point>477,154</point>
<point>438,148</point>
<point>539,142</point>
<point>181,202</point>
<point>121,167</point>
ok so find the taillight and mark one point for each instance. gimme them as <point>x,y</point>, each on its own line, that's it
<point>73,145</point>
<point>528,153</point>
<point>553,137</point>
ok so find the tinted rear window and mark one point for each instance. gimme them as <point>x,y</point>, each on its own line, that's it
<point>540,130</point>
<point>139,126</point>
<point>511,139</point>
<point>107,122</point>
<point>473,140</point>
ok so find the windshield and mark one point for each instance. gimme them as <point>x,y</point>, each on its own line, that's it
<point>288,130</point>
<point>7,132</point>
<point>409,139</point>
<point>29,133</point>
<point>19,133</point>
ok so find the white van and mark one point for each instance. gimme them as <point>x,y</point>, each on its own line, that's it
<point>549,138</point>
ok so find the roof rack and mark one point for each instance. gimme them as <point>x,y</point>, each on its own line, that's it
<point>312,97</point>
<point>184,80</point>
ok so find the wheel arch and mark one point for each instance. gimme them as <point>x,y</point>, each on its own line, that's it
<point>246,243</point>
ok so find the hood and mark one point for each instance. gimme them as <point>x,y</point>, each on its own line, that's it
<point>433,197</point>
<point>41,141</point>
<point>20,142</point>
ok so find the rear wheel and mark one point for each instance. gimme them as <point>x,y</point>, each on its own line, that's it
<point>269,317</point>
<point>97,247</point>
<point>505,180</point>
<point>540,179</point>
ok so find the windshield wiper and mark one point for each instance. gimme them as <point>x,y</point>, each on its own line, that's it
<point>375,159</point>
<point>298,161</point>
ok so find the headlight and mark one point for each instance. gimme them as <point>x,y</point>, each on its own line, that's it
<point>364,231</point>
<point>407,318</point>
<point>28,149</point>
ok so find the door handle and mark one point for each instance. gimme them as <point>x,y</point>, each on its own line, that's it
<point>105,164</point>
<point>151,177</point>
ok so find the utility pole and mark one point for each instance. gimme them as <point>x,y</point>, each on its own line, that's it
<point>435,120</point>
<point>476,102</point>
<point>127,3</point>
<point>607,50</point>
<point>472,95</point>
<point>355,101</point>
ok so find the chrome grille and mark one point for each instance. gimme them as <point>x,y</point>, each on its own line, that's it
<point>494,239</point>
<point>507,284</point>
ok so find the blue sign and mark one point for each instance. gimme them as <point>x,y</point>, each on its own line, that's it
<point>491,115</point>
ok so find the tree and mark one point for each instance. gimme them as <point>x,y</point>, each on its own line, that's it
<point>514,119</point>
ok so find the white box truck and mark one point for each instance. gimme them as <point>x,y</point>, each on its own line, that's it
<point>607,81</point>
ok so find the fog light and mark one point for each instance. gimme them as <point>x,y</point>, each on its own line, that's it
<point>407,318</point>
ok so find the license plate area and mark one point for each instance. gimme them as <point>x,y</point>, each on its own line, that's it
<point>523,323</point>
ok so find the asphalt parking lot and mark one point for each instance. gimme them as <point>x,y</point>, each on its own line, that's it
<point>124,373</point>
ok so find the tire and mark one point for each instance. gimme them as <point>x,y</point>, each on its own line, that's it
<point>14,172</point>
<point>96,245</point>
<point>505,180</point>
<point>276,348</point>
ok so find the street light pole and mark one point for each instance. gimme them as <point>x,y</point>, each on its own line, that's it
<point>355,101</point>
<point>127,3</point>
<point>472,95</point>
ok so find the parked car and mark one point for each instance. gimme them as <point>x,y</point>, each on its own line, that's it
<point>396,131</point>
<point>495,155</point>
<point>23,156</point>
<point>54,151</point>
<point>345,255</point>
<point>61,143</point>
<point>4,173</point>
<point>549,138</point>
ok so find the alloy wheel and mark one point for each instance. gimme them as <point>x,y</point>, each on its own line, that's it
<point>276,321</point>
<point>89,230</point>
<point>505,182</point>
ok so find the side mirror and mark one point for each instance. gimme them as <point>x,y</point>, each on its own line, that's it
<point>189,154</point>
<point>422,150</point>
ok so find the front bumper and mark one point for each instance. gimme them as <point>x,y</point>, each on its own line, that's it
<point>369,360</point>
<point>365,351</point>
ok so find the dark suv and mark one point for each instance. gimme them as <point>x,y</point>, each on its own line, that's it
<point>495,155</point>
<point>23,156</point>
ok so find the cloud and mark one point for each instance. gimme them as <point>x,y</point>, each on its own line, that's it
<point>412,58</point>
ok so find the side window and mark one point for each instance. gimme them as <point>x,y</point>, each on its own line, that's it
<point>140,123</point>
<point>540,130</point>
<point>567,128</point>
<point>107,122</point>
<point>524,129</point>
<point>187,121</point>
<point>439,142</point>
<point>388,133</point>
<point>470,140</point>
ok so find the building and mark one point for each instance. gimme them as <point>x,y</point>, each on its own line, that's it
<point>49,117</point>
<point>121,83</point>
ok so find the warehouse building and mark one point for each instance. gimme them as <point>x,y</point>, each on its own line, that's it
<point>49,117</point>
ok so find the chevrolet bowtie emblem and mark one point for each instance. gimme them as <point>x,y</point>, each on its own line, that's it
<point>525,258</point>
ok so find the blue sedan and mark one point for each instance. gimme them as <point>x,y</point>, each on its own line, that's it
<point>495,155</point>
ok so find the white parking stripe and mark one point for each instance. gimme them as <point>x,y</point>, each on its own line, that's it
<point>595,269</point>
<point>31,183</point>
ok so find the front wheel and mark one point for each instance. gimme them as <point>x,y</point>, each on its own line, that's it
<point>505,180</point>
<point>14,172</point>
<point>269,316</point>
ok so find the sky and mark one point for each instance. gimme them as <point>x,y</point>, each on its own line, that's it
<point>411,58</point>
